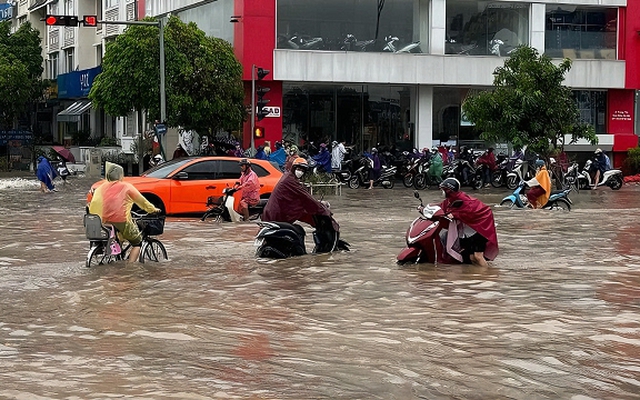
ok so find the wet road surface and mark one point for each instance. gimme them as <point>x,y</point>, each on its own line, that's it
<point>557,315</point>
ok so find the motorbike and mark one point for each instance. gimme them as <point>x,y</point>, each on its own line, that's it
<point>350,43</point>
<point>391,46</point>
<point>361,175</point>
<point>583,179</point>
<point>499,176</point>
<point>280,240</point>
<point>415,168</point>
<point>518,174</point>
<point>426,236</point>
<point>558,200</point>
<point>223,208</point>
<point>299,42</point>
<point>454,170</point>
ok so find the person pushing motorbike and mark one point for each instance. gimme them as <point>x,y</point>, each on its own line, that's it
<point>474,230</point>
<point>290,201</point>
<point>540,186</point>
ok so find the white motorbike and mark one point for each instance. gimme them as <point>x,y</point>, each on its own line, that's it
<point>582,179</point>
<point>519,173</point>
<point>391,46</point>
<point>223,209</point>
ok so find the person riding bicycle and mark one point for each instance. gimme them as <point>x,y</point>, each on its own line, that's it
<point>290,201</point>
<point>475,230</point>
<point>113,200</point>
<point>540,186</point>
<point>250,187</point>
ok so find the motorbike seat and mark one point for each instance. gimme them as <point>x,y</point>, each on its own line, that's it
<point>299,230</point>
<point>556,192</point>
<point>261,204</point>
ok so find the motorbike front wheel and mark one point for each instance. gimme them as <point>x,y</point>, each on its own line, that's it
<point>496,179</point>
<point>477,183</point>
<point>354,182</point>
<point>407,181</point>
<point>420,182</point>
<point>512,183</point>
<point>507,203</point>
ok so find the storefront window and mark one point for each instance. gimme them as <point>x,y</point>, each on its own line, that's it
<point>485,27</point>
<point>593,107</point>
<point>576,32</point>
<point>351,25</point>
<point>449,125</point>
<point>362,115</point>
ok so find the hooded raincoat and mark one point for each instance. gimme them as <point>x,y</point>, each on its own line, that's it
<point>113,201</point>
<point>544,182</point>
<point>45,172</point>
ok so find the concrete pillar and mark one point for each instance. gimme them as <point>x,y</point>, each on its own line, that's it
<point>537,26</point>
<point>424,131</point>
<point>438,26</point>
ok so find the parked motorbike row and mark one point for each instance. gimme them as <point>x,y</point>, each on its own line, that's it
<point>390,43</point>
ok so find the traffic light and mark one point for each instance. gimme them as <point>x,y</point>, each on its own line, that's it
<point>64,20</point>
<point>261,102</point>
<point>90,20</point>
<point>258,132</point>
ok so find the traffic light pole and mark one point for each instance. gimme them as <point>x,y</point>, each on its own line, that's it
<point>253,109</point>
<point>163,95</point>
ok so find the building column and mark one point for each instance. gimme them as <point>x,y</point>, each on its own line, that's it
<point>424,131</point>
<point>537,26</point>
<point>437,26</point>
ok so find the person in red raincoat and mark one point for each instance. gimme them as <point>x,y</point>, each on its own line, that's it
<point>473,229</point>
<point>290,201</point>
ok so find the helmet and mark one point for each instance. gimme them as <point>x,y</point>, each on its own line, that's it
<point>451,184</point>
<point>157,157</point>
<point>244,161</point>
<point>434,149</point>
<point>552,160</point>
<point>334,143</point>
<point>374,150</point>
<point>300,163</point>
<point>540,163</point>
<point>598,151</point>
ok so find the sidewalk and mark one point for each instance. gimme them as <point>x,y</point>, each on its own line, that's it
<point>17,174</point>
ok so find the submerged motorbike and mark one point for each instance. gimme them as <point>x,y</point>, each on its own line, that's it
<point>426,237</point>
<point>283,240</point>
<point>223,208</point>
<point>558,200</point>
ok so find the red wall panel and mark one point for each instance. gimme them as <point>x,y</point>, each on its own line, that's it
<point>630,42</point>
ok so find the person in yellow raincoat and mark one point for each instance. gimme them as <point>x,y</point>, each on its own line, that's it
<point>540,186</point>
<point>113,201</point>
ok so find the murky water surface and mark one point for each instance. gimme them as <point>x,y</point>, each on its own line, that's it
<point>556,316</point>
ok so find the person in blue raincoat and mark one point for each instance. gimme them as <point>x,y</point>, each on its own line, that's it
<point>46,174</point>
<point>323,158</point>
<point>279,156</point>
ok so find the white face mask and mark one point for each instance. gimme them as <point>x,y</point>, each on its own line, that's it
<point>444,195</point>
<point>299,173</point>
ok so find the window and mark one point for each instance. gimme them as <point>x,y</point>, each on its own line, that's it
<point>593,106</point>
<point>111,4</point>
<point>204,170</point>
<point>53,65</point>
<point>229,170</point>
<point>483,27</point>
<point>22,20</point>
<point>354,25</point>
<point>68,60</point>
<point>576,32</point>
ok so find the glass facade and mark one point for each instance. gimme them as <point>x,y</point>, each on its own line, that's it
<point>593,108</point>
<point>349,25</point>
<point>485,27</point>
<point>362,115</point>
<point>577,32</point>
<point>448,123</point>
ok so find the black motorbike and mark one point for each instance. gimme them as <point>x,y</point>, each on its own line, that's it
<point>280,240</point>
<point>361,175</point>
<point>222,208</point>
<point>456,170</point>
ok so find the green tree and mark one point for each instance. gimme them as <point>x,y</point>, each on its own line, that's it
<point>528,105</point>
<point>203,78</point>
<point>20,71</point>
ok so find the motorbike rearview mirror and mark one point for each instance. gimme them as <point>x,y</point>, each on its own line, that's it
<point>456,204</point>
<point>416,194</point>
<point>181,176</point>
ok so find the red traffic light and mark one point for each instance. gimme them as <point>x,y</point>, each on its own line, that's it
<point>258,132</point>
<point>64,20</point>
<point>90,20</point>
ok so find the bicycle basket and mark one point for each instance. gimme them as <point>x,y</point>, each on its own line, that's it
<point>152,225</point>
<point>94,229</point>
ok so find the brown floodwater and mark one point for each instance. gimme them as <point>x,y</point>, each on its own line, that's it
<point>557,314</point>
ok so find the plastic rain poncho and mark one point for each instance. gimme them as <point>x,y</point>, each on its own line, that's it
<point>113,200</point>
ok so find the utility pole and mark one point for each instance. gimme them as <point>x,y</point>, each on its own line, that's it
<point>253,109</point>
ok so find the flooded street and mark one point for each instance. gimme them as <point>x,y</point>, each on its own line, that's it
<point>556,316</point>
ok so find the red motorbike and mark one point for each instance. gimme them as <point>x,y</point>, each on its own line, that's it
<point>424,242</point>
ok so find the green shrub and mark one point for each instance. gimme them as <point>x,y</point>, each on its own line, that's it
<point>631,164</point>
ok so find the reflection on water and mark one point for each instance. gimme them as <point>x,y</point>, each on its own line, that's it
<point>555,316</point>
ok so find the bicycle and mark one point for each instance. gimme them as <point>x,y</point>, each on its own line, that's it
<point>106,247</point>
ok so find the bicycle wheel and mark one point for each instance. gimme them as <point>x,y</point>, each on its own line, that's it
<point>153,250</point>
<point>97,256</point>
